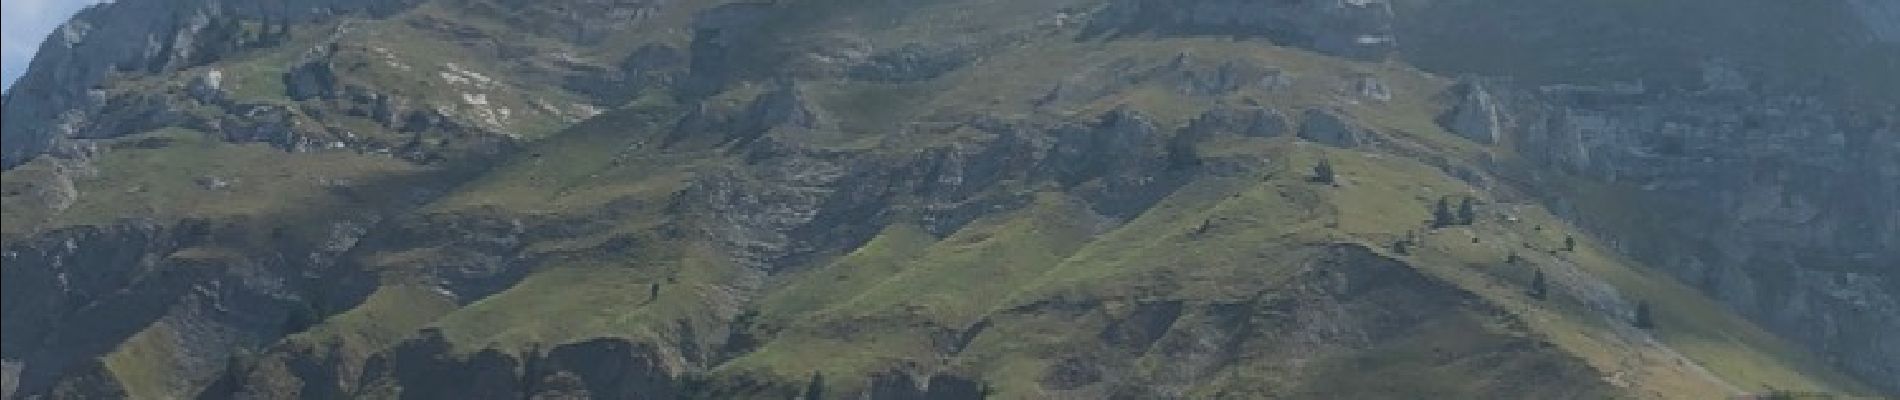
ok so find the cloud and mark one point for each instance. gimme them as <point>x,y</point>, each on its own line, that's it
<point>24,24</point>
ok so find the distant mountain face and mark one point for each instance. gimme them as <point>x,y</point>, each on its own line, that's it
<point>955,199</point>
<point>1882,18</point>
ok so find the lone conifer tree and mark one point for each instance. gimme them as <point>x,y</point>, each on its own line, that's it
<point>1323,172</point>
<point>1570,243</point>
<point>1643,318</point>
<point>816,389</point>
<point>1467,212</point>
<point>1441,215</point>
<point>1540,288</point>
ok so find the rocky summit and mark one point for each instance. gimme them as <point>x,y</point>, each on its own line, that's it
<point>955,199</point>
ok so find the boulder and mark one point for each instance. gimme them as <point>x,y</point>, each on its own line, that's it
<point>1475,116</point>
<point>208,87</point>
<point>1329,128</point>
<point>786,108</point>
<point>909,63</point>
<point>1247,121</point>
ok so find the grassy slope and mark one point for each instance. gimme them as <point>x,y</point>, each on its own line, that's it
<point>1733,349</point>
<point>1387,197</point>
<point>1156,248</point>
<point>163,182</point>
<point>156,175</point>
<point>948,284</point>
<point>906,278</point>
<point>142,363</point>
<point>594,171</point>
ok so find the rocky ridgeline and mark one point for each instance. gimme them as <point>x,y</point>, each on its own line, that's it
<point>794,199</point>
<point>1788,201</point>
<point>76,92</point>
<point>127,37</point>
<point>76,294</point>
<point>1780,188</point>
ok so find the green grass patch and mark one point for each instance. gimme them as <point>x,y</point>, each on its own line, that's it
<point>390,314</point>
<point>897,247</point>
<point>562,304</point>
<point>970,272</point>
<point>144,364</point>
<point>174,173</point>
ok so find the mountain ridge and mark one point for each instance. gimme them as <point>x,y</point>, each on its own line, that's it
<point>377,205</point>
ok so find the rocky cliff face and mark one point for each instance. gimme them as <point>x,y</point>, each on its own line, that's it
<point>137,37</point>
<point>1781,206</point>
<point>1774,192</point>
<point>1882,18</point>
<point>77,294</point>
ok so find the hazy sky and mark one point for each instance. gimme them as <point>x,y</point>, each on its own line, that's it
<point>23,24</point>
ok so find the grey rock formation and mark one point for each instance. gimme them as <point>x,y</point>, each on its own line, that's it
<point>1783,205</point>
<point>55,190</point>
<point>74,294</point>
<point>430,134</point>
<point>1328,128</point>
<point>207,87</point>
<point>912,62</point>
<point>1369,87</point>
<point>785,107</point>
<point>9,378</point>
<point>1119,161</point>
<point>900,385</point>
<point>273,124</point>
<point>312,77</point>
<point>722,37</point>
<point>649,69</point>
<point>1246,121</point>
<point>785,111</point>
<point>1766,170</point>
<point>1474,114</point>
<point>156,35</point>
<point>427,367</point>
<point>794,199</point>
